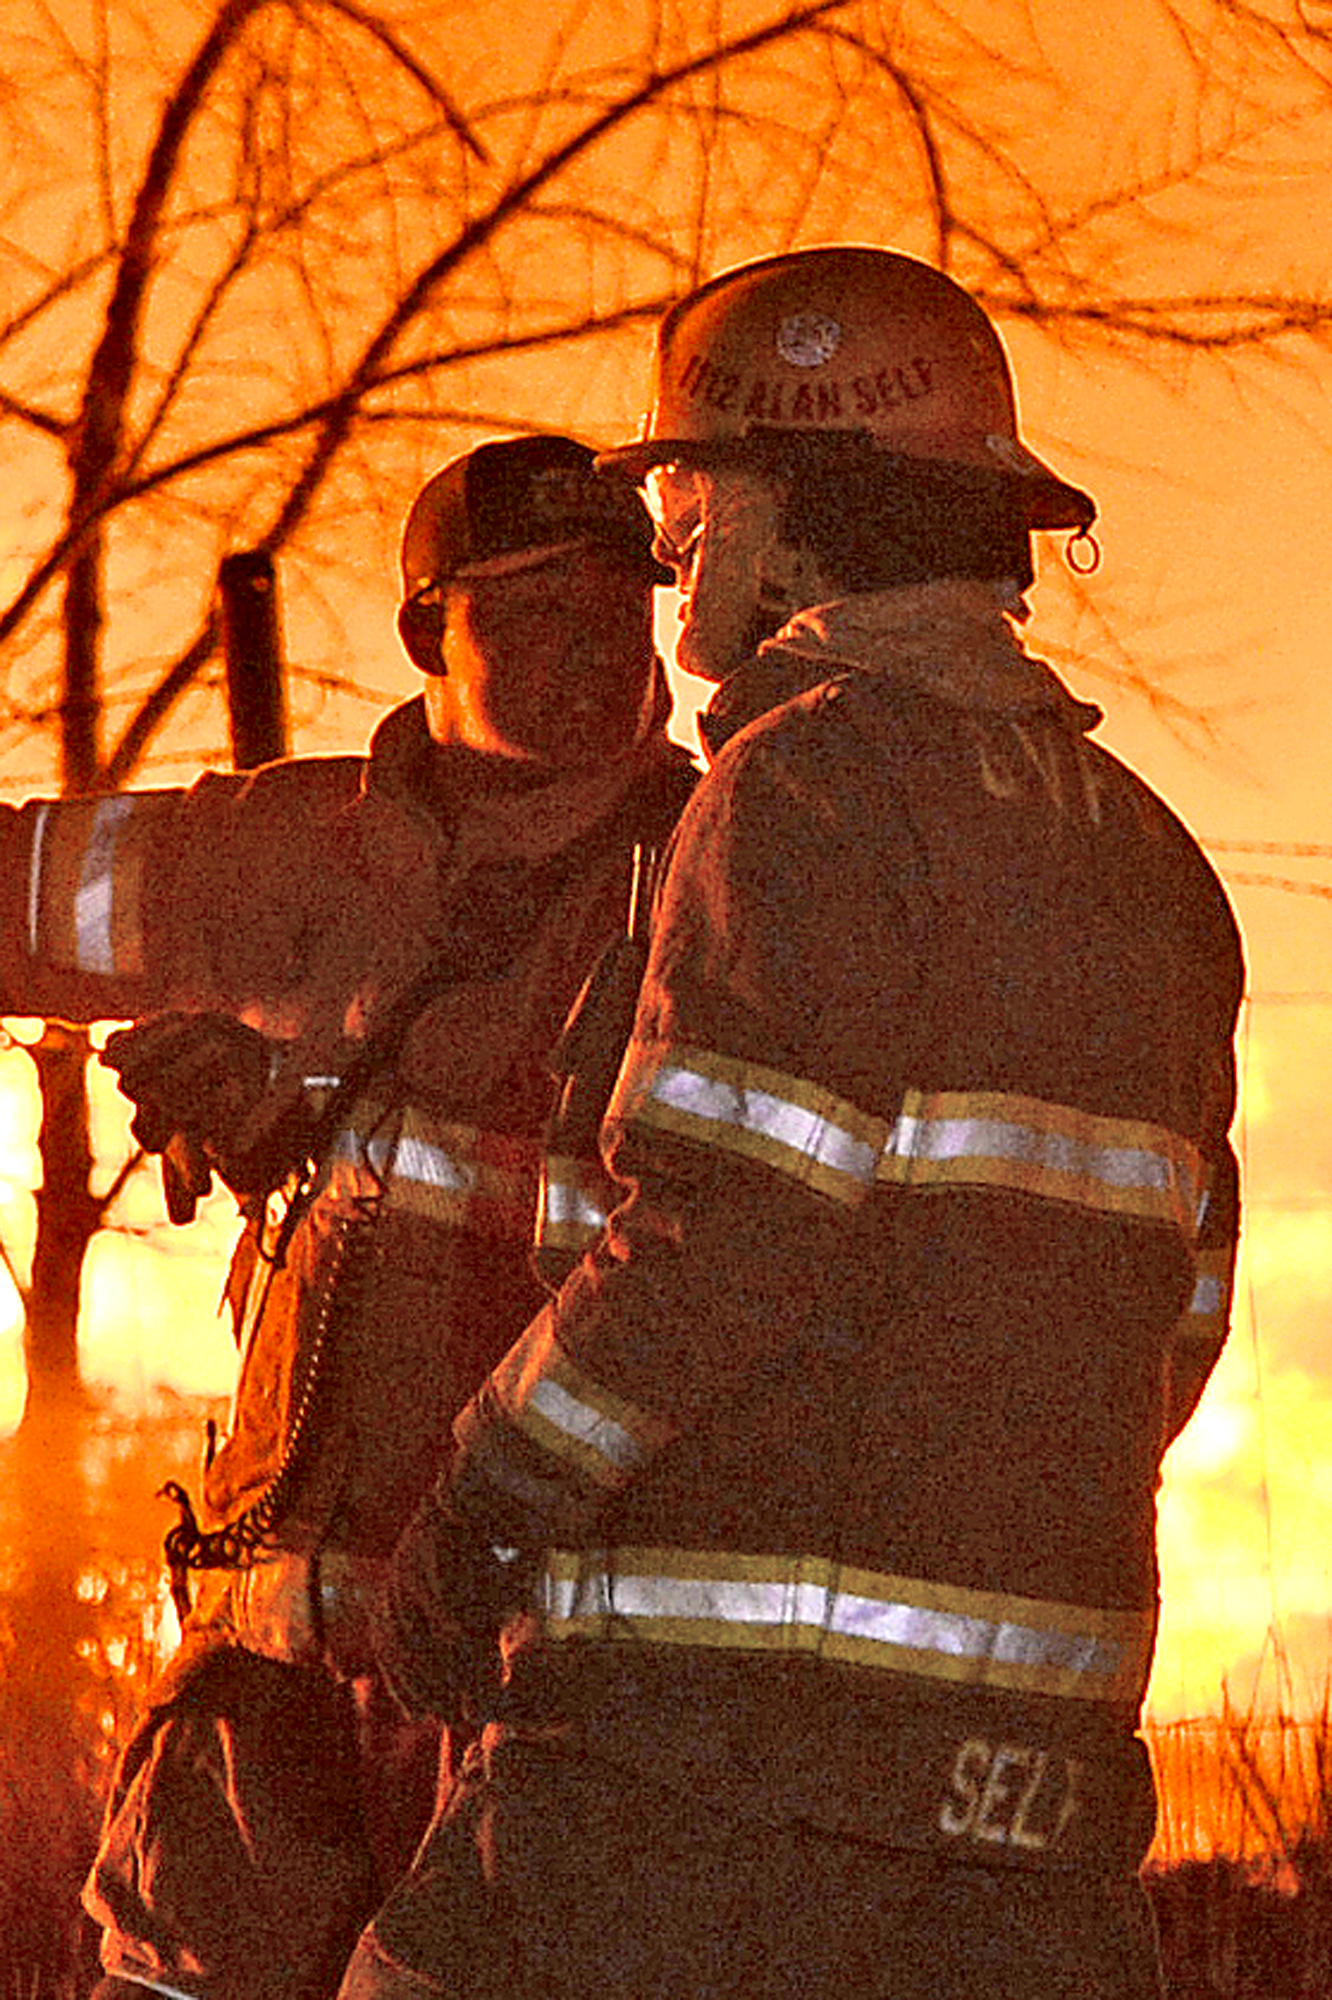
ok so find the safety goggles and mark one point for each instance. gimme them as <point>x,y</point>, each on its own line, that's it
<point>678,498</point>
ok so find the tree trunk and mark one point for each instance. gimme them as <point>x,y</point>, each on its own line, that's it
<point>68,1215</point>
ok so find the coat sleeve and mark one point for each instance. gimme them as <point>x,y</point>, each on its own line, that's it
<point>119,906</point>
<point>742,1156</point>
<point>1200,1333</point>
<point>75,875</point>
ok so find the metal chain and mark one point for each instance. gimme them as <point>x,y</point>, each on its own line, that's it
<point>236,1545</point>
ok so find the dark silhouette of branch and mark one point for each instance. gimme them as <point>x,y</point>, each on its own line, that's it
<point>107,1201</point>
<point>95,442</point>
<point>513,198</point>
<point>259,322</point>
<point>429,83</point>
<point>154,709</point>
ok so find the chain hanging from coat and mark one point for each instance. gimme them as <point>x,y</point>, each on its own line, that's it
<point>591,1057</point>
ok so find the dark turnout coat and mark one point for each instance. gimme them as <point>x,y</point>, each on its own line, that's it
<point>843,1445</point>
<point>307,899</point>
<point>412,947</point>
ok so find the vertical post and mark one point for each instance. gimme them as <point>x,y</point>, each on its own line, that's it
<point>252,644</point>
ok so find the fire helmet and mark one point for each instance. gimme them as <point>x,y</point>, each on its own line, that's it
<point>839,342</point>
<point>499,501</point>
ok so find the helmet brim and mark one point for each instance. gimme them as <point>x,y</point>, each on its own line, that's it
<point>1049,502</point>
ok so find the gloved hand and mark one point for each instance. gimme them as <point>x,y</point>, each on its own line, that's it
<point>195,1080</point>
<point>436,1622</point>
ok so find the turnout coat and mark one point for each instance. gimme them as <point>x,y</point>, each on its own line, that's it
<point>307,899</point>
<point>842,1446</point>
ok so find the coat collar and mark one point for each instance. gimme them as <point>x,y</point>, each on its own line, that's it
<point>952,640</point>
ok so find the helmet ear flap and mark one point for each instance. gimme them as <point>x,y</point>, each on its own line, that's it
<point>421,629</point>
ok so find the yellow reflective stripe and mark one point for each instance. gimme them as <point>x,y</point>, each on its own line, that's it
<point>570,1415</point>
<point>998,1139</point>
<point>809,1605</point>
<point>453,1174</point>
<point>573,1204</point>
<point>937,1140</point>
<point>36,848</point>
<point>788,1123</point>
<point>85,881</point>
<point>1207,1315</point>
<point>94,898</point>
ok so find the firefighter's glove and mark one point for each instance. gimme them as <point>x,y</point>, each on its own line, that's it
<point>436,1623</point>
<point>195,1081</point>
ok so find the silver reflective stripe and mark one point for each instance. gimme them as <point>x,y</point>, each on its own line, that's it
<point>785,1604</point>
<point>747,1108</point>
<point>415,1159</point>
<point>570,1416</point>
<point>816,1609</point>
<point>1210,1296</point>
<point>151,1982</point>
<point>934,1141</point>
<point>713,1600</point>
<point>568,1205</point>
<point>448,1174</point>
<point>585,1425</point>
<point>990,1138</point>
<point>40,825</point>
<point>376,1151</point>
<point>94,897</point>
<point>408,1157</point>
<point>962,1637</point>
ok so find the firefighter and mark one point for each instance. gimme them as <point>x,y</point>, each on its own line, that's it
<point>816,1512</point>
<point>347,974</point>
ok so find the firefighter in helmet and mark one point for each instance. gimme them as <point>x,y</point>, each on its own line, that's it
<point>816,1513</point>
<point>345,976</point>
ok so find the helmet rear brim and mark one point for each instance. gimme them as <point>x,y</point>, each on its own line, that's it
<point>1049,502</point>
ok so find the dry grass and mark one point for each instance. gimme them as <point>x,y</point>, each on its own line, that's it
<point>1241,1873</point>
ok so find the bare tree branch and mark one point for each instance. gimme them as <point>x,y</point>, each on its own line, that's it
<point>249,287</point>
